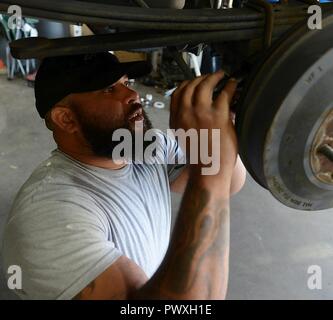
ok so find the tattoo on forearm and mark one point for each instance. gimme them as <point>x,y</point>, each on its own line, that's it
<point>199,248</point>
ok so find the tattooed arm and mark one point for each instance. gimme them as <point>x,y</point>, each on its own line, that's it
<point>196,263</point>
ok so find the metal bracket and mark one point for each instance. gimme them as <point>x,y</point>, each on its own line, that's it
<point>177,56</point>
<point>269,19</point>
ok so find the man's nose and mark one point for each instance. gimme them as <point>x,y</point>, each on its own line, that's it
<point>131,96</point>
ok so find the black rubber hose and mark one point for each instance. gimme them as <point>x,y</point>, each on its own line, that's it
<point>136,13</point>
<point>40,48</point>
<point>231,25</point>
<point>145,14</point>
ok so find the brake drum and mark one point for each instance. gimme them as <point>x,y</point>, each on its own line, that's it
<point>285,121</point>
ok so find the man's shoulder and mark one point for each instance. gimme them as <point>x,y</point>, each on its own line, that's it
<point>54,179</point>
<point>48,172</point>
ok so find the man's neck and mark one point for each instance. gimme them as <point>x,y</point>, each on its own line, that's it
<point>90,159</point>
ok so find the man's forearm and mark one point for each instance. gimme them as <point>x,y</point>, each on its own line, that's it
<point>196,264</point>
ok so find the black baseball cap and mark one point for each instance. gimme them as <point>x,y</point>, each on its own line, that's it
<point>58,77</point>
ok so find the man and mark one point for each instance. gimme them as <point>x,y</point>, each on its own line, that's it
<point>85,226</point>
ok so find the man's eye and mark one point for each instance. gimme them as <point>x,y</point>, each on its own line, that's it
<point>109,89</point>
<point>127,84</point>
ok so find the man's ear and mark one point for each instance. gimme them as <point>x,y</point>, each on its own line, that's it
<point>64,118</point>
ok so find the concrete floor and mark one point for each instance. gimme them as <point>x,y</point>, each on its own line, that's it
<point>272,246</point>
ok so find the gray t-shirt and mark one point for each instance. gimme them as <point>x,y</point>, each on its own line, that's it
<point>71,221</point>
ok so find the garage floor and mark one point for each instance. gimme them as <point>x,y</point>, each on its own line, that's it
<point>272,246</point>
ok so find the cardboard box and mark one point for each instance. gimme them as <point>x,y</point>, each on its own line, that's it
<point>126,56</point>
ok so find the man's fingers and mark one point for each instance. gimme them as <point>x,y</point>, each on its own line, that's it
<point>224,99</point>
<point>198,94</point>
<point>174,104</point>
<point>188,91</point>
<point>182,97</point>
<point>177,94</point>
<point>203,94</point>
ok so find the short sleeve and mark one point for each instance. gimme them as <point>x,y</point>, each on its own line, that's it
<point>60,246</point>
<point>176,159</point>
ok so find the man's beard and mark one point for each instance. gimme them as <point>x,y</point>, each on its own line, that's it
<point>100,138</point>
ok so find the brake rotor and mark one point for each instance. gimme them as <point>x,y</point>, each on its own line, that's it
<point>285,123</point>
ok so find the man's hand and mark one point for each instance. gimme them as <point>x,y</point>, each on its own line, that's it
<point>192,107</point>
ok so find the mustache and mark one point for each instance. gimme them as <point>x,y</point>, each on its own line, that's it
<point>136,109</point>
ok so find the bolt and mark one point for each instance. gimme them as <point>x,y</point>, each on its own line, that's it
<point>326,150</point>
